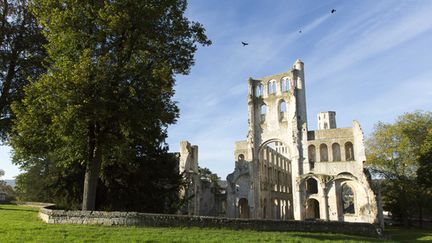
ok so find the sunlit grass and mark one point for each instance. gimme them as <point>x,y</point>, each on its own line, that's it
<point>21,224</point>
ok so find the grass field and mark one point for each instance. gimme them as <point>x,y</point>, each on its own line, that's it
<point>21,224</point>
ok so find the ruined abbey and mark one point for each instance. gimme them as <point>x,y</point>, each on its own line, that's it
<point>285,171</point>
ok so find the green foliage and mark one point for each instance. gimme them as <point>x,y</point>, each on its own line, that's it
<point>105,101</point>
<point>20,224</point>
<point>424,171</point>
<point>207,176</point>
<point>49,182</point>
<point>10,192</point>
<point>21,56</point>
<point>149,184</point>
<point>399,153</point>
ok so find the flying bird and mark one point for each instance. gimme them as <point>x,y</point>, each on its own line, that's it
<point>300,31</point>
<point>244,43</point>
<point>333,10</point>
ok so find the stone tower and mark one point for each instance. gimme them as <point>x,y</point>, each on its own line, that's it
<point>283,171</point>
<point>326,120</point>
<point>272,156</point>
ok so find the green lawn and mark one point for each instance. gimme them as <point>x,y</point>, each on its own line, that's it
<point>21,224</point>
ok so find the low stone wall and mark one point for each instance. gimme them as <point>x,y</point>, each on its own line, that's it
<point>167,220</point>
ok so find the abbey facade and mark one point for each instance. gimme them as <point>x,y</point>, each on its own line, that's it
<point>284,171</point>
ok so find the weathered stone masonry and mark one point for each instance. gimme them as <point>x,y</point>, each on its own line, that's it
<point>165,220</point>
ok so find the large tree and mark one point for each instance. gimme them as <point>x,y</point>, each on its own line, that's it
<point>397,152</point>
<point>21,55</point>
<point>106,97</point>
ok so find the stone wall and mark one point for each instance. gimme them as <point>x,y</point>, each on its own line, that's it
<point>166,220</point>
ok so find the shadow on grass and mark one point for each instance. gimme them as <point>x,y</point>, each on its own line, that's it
<point>409,235</point>
<point>17,209</point>
<point>327,237</point>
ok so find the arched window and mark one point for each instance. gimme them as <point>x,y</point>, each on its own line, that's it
<point>271,86</point>
<point>336,152</point>
<point>285,84</point>
<point>259,90</point>
<point>349,151</point>
<point>323,152</point>
<point>347,199</point>
<point>263,112</point>
<point>282,109</point>
<point>241,157</point>
<point>311,156</point>
<point>311,186</point>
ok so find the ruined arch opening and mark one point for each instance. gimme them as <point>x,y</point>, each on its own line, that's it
<point>243,208</point>
<point>285,84</point>
<point>347,199</point>
<point>263,111</point>
<point>271,87</point>
<point>349,151</point>
<point>312,156</point>
<point>259,90</point>
<point>311,186</point>
<point>282,109</point>
<point>312,209</point>
<point>336,152</point>
<point>323,153</point>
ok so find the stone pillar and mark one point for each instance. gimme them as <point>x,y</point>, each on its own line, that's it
<point>325,200</point>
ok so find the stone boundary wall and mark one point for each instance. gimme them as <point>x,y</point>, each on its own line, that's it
<point>167,220</point>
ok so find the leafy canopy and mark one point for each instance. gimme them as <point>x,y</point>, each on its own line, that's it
<point>106,97</point>
<point>21,56</point>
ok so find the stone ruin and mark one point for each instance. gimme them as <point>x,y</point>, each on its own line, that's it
<point>283,170</point>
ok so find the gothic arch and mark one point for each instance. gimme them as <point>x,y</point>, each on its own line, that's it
<point>323,152</point>
<point>349,151</point>
<point>272,140</point>
<point>271,87</point>
<point>312,209</point>
<point>285,84</point>
<point>312,156</point>
<point>348,198</point>
<point>263,112</point>
<point>336,152</point>
<point>259,90</point>
<point>243,208</point>
<point>282,108</point>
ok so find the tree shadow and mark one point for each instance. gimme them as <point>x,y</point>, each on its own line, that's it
<point>409,235</point>
<point>17,209</point>
<point>330,237</point>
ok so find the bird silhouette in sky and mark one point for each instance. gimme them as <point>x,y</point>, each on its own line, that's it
<point>333,11</point>
<point>244,43</point>
<point>300,31</point>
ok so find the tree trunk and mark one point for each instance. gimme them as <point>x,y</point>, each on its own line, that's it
<point>92,169</point>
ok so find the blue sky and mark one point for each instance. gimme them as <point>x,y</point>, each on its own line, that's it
<point>369,61</point>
